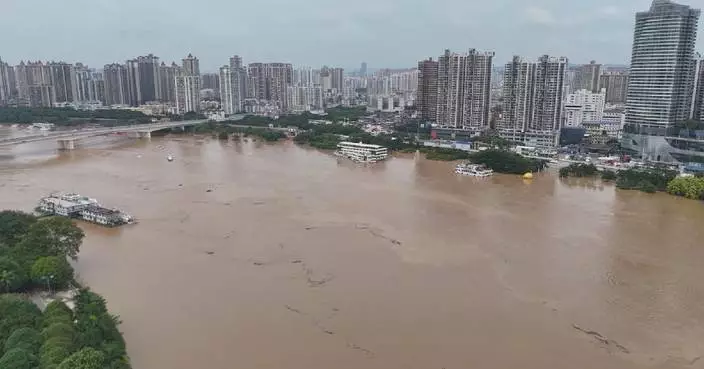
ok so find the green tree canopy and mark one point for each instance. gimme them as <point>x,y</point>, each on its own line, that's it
<point>55,236</point>
<point>18,359</point>
<point>24,338</point>
<point>59,330</point>
<point>87,358</point>
<point>14,224</point>
<point>15,313</point>
<point>13,276</point>
<point>57,312</point>
<point>52,269</point>
<point>54,351</point>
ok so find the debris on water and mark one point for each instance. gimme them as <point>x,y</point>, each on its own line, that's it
<point>258,263</point>
<point>601,339</point>
<point>208,190</point>
<point>297,261</point>
<point>210,252</point>
<point>309,228</point>
<point>180,184</point>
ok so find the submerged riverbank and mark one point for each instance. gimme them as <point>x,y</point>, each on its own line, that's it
<point>398,265</point>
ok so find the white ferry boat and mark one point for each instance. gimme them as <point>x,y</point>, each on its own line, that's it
<point>473,170</point>
<point>76,206</point>
<point>361,152</point>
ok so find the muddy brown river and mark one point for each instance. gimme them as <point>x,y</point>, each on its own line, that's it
<point>273,256</point>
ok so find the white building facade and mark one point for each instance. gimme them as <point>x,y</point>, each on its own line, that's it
<point>584,105</point>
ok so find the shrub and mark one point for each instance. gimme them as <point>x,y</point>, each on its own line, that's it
<point>24,338</point>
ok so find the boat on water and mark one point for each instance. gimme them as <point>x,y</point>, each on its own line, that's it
<point>170,157</point>
<point>74,205</point>
<point>474,170</point>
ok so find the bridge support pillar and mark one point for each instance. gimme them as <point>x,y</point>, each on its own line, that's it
<point>141,134</point>
<point>67,144</point>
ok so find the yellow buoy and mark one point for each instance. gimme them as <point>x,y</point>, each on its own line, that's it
<point>528,175</point>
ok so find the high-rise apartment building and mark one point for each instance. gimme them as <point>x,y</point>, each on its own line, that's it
<point>239,83</point>
<point>533,98</point>
<point>427,93</point>
<point>6,87</point>
<point>336,78</point>
<point>211,81</point>
<point>695,112</point>
<point>271,82</point>
<point>616,85</point>
<point>188,86</point>
<point>586,77</point>
<point>661,77</point>
<point>63,81</point>
<point>167,76</point>
<point>363,70</point>
<point>584,106</point>
<point>34,84</point>
<point>89,85</point>
<point>227,90</point>
<point>117,90</point>
<point>143,79</point>
<point>464,89</point>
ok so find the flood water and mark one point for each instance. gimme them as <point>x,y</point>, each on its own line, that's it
<point>255,255</point>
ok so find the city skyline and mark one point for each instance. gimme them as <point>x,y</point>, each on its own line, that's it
<point>582,32</point>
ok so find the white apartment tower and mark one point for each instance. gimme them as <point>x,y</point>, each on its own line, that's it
<point>226,90</point>
<point>188,86</point>
<point>464,89</point>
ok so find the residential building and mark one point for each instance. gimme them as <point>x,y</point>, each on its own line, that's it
<point>695,112</point>
<point>34,84</point>
<point>227,90</point>
<point>661,80</point>
<point>271,82</point>
<point>616,85</point>
<point>336,77</point>
<point>188,86</point>
<point>211,81</point>
<point>583,105</point>
<point>239,83</point>
<point>586,77</point>
<point>533,99</point>
<point>427,93</point>
<point>116,85</point>
<point>63,80</point>
<point>304,98</point>
<point>167,76</point>
<point>363,69</point>
<point>464,89</point>
<point>6,87</point>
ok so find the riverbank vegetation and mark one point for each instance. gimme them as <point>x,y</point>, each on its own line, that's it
<point>503,161</point>
<point>223,131</point>
<point>646,180</point>
<point>579,170</point>
<point>689,187</point>
<point>33,258</point>
<point>69,116</point>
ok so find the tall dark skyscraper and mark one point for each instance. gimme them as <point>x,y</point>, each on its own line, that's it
<point>661,77</point>
<point>363,69</point>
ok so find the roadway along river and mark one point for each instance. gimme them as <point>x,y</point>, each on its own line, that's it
<point>254,255</point>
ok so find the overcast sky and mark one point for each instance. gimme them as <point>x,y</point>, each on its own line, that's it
<point>384,33</point>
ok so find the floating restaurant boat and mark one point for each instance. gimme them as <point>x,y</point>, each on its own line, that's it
<point>76,206</point>
<point>473,170</point>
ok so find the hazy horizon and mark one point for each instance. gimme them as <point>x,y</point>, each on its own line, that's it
<point>392,34</point>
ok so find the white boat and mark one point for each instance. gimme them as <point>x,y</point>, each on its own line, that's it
<point>473,170</point>
<point>170,158</point>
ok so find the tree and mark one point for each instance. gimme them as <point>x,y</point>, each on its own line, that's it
<point>18,359</point>
<point>24,338</point>
<point>59,330</point>
<point>689,187</point>
<point>52,270</point>
<point>56,236</point>
<point>57,312</point>
<point>16,313</point>
<point>14,224</point>
<point>54,351</point>
<point>87,358</point>
<point>13,276</point>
